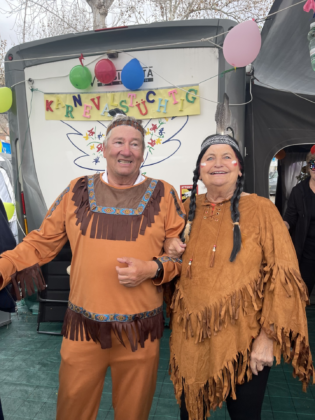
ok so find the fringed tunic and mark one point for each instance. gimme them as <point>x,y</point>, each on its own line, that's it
<point>218,311</point>
<point>103,223</point>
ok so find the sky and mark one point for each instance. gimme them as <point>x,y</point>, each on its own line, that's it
<point>6,25</point>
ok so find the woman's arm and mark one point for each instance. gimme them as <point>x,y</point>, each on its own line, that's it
<point>262,353</point>
<point>291,214</point>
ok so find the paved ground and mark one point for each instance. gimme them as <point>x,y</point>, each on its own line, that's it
<point>29,366</point>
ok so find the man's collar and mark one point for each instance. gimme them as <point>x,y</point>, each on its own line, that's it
<point>138,180</point>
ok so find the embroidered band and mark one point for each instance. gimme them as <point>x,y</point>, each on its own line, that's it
<point>131,123</point>
<point>114,317</point>
<point>58,201</point>
<point>167,259</point>
<point>219,140</point>
<point>178,209</point>
<point>119,211</point>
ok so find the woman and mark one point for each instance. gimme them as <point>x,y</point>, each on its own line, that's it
<point>240,299</point>
<point>300,219</point>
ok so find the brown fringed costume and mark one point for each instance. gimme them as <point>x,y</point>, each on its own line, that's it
<point>219,306</point>
<point>103,223</point>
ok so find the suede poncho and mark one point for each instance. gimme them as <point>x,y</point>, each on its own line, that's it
<point>218,311</point>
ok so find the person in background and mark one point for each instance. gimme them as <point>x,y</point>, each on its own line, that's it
<point>240,300</point>
<point>299,218</point>
<point>7,242</point>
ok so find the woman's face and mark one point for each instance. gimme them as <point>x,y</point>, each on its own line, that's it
<point>219,167</point>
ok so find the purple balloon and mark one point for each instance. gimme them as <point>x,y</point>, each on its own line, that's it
<point>242,44</point>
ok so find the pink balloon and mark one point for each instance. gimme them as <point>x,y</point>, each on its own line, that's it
<point>105,71</point>
<point>242,44</point>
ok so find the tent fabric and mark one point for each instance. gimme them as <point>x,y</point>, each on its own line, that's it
<point>284,60</point>
<point>274,120</point>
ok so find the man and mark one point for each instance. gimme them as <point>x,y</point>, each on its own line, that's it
<point>116,223</point>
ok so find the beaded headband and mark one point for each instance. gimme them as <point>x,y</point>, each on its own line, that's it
<point>131,123</point>
<point>219,140</point>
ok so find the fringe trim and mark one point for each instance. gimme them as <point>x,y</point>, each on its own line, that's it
<point>211,394</point>
<point>293,349</point>
<point>200,399</point>
<point>287,276</point>
<point>212,319</point>
<point>110,226</point>
<point>77,327</point>
<point>23,281</point>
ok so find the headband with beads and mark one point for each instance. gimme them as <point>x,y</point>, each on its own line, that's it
<point>219,139</point>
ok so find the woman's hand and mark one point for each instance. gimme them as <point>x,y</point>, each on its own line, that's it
<point>174,247</point>
<point>262,353</point>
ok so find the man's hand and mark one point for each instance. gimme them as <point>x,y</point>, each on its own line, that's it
<point>262,353</point>
<point>137,271</point>
<point>174,247</point>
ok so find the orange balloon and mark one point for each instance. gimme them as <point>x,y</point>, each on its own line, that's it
<point>280,155</point>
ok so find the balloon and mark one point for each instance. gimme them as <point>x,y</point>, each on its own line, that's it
<point>5,99</point>
<point>242,44</point>
<point>105,71</point>
<point>9,209</point>
<point>80,77</point>
<point>132,75</point>
<point>280,155</point>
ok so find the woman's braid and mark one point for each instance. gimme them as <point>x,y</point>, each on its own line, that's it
<point>235,214</point>
<point>192,205</point>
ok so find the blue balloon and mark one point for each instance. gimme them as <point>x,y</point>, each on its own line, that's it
<point>132,75</point>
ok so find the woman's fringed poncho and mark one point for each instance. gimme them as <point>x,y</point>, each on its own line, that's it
<point>217,311</point>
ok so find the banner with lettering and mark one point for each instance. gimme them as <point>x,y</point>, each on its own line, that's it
<point>142,104</point>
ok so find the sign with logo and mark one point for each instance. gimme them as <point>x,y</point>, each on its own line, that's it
<point>185,192</point>
<point>148,77</point>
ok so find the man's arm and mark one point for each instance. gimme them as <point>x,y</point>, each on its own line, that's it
<point>138,270</point>
<point>21,265</point>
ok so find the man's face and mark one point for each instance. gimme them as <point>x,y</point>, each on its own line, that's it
<point>124,152</point>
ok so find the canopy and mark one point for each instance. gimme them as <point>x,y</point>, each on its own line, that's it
<point>276,119</point>
<point>284,60</point>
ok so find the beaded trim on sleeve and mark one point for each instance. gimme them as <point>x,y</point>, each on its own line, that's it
<point>178,209</point>
<point>167,259</point>
<point>58,201</point>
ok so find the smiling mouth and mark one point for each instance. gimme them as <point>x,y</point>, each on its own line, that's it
<point>124,161</point>
<point>218,173</point>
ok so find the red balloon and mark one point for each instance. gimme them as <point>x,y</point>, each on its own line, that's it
<point>105,71</point>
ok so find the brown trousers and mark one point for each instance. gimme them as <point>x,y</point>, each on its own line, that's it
<point>82,373</point>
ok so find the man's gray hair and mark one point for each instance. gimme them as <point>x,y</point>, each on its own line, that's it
<point>122,117</point>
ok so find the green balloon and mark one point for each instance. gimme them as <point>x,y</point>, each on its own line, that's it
<point>80,77</point>
<point>5,99</point>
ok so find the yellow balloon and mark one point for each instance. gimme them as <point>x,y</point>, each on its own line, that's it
<point>5,99</point>
<point>0,146</point>
<point>9,208</point>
